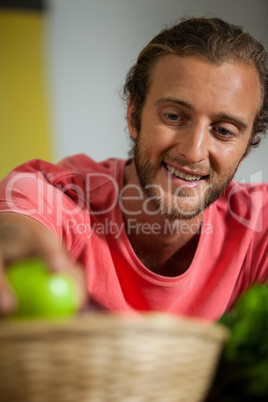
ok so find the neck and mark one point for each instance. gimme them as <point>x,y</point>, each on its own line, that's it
<point>164,245</point>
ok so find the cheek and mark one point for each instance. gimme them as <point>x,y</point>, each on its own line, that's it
<point>228,157</point>
<point>160,137</point>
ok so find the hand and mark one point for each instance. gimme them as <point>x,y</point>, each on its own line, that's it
<point>23,237</point>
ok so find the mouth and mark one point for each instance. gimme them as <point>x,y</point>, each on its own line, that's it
<point>184,176</point>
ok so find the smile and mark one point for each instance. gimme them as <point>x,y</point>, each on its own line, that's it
<point>181,175</point>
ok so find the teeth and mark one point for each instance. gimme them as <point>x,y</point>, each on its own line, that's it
<point>182,175</point>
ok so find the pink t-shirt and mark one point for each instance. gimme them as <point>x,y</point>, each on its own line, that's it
<point>79,201</point>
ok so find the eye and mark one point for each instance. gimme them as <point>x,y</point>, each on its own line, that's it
<point>172,116</point>
<point>223,132</point>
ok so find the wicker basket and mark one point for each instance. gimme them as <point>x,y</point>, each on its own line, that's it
<point>101,357</point>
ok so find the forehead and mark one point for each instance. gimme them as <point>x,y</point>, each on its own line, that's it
<point>200,82</point>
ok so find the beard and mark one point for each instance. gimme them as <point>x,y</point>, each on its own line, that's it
<point>175,202</point>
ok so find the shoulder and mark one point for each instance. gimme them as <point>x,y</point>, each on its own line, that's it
<point>83,164</point>
<point>245,195</point>
<point>74,169</point>
<point>86,173</point>
<point>74,176</point>
<point>240,217</point>
<point>245,204</point>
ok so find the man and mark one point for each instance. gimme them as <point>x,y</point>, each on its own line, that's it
<point>167,230</point>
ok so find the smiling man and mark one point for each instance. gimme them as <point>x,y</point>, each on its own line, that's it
<point>195,129</point>
<point>168,229</point>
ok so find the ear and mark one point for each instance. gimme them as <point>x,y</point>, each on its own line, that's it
<point>130,111</point>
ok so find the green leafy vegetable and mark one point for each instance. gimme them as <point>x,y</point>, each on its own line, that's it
<point>242,374</point>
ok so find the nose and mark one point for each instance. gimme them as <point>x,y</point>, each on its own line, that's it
<point>193,143</point>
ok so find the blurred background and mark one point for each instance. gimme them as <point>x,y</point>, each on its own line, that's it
<point>63,64</point>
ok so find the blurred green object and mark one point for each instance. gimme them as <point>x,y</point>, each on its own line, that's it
<point>242,374</point>
<point>39,292</point>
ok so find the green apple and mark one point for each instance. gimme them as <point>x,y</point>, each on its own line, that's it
<point>41,293</point>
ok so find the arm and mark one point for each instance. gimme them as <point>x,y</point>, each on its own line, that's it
<point>22,236</point>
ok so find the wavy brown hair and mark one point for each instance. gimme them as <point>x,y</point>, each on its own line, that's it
<point>212,38</point>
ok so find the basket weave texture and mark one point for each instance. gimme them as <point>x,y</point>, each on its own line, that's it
<point>101,357</point>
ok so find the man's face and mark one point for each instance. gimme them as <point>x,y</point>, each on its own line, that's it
<point>195,128</point>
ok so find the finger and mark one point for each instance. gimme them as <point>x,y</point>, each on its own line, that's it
<point>8,302</point>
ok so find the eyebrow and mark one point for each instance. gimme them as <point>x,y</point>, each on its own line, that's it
<point>175,100</point>
<point>233,119</point>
